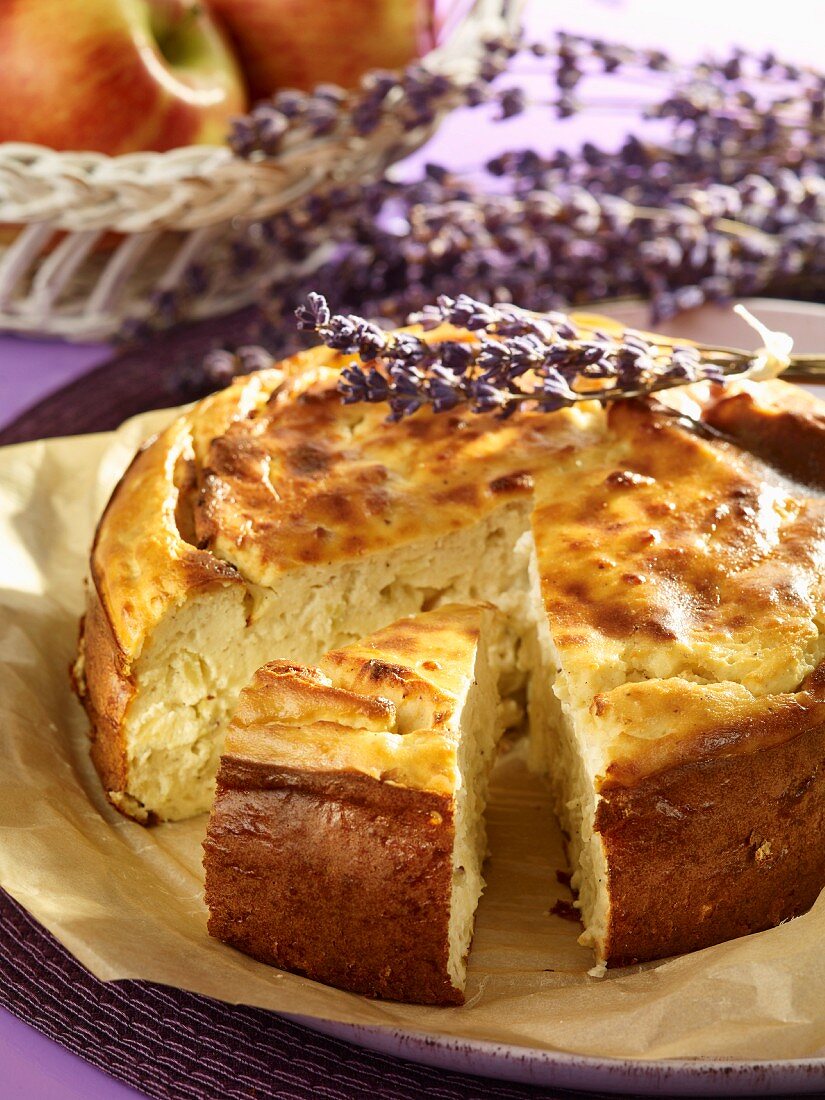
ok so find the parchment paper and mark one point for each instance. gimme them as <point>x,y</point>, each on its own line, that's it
<point>127,901</point>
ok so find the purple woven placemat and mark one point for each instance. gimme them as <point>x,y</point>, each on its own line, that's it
<point>180,1046</point>
<point>153,375</point>
<point>168,1043</point>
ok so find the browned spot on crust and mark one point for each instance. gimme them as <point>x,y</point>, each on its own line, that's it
<point>381,671</point>
<point>235,454</point>
<point>353,545</point>
<point>658,509</point>
<point>521,482</point>
<point>378,502</point>
<point>422,427</point>
<point>466,494</point>
<point>374,474</point>
<point>626,479</point>
<point>308,459</point>
<point>334,508</point>
<point>311,553</point>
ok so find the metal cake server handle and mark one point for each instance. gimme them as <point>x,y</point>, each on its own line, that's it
<point>806,368</point>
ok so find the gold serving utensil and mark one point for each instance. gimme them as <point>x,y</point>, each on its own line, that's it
<point>806,368</point>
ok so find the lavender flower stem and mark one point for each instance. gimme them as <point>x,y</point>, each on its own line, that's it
<point>516,359</point>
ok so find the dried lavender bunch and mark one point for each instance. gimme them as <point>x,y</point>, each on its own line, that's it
<point>518,360</point>
<point>396,246</point>
<point>409,99</point>
<point>715,106</point>
<point>548,249</point>
<point>730,202</point>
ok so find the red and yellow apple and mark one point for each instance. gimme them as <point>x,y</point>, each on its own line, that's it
<point>301,43</point>
<point>115,76</point>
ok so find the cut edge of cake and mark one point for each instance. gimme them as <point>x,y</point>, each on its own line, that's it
<point>178,693</point>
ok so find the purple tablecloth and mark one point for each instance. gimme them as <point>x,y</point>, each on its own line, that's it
<point>33,1067</point>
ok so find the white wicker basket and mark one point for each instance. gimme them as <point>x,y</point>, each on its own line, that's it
<point>61,275</point>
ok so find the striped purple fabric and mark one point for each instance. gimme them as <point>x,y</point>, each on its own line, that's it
<point>178,1046</point>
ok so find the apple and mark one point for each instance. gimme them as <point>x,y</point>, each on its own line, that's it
<point>301,43</point>
<point>115,76</point>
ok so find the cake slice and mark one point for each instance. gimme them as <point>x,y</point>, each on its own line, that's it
<point>346,839</point>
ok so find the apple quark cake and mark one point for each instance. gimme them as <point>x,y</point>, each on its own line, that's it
<point>366,605</point>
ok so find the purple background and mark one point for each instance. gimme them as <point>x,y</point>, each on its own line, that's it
<point>33,1067</point>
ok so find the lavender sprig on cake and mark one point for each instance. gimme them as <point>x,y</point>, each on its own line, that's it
<point>515,359</point>
<point>508,359</point>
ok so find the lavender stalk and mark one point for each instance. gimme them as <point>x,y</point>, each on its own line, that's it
<point>518,360</point>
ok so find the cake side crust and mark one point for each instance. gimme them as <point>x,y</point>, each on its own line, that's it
<point>336,876</point>
<point>714,849</point>
<point>104,685</point>
<point>142,567</point>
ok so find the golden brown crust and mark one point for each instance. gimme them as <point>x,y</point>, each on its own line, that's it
<point>702,724</point>
<point>386,706</point>
<point>669,537</point>
<point>683,580</point>
<point>789,434</point>
<point>420,662</point>
<point>308,480</point>
<point>714,849</point>
<point>299,696</point>
<point>336,876</point>
<point>107,691</point>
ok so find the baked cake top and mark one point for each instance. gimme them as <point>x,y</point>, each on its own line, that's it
<point>386,706</point>
<point>681,570</point>
<point>684,581</point>
<point>275,473</point>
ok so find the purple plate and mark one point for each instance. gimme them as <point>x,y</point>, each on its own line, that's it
<point>527,1066</point>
